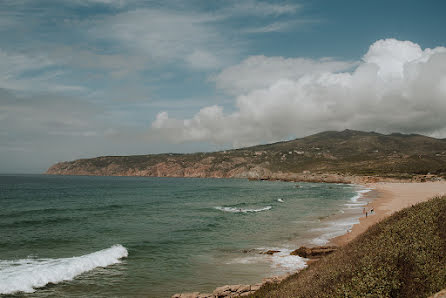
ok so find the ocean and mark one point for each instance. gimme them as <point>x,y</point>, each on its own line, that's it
<point>74,236</point>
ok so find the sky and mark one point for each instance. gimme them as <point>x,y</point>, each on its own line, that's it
<point>85,78</point>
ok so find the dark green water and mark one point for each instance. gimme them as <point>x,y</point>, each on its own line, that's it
<point>179,234</point>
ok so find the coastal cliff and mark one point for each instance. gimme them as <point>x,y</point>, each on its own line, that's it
<point>343,157</point>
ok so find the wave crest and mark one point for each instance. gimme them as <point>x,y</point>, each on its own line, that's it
<point>359,194</point>
<point>241,210</point>
<point>27,274</point>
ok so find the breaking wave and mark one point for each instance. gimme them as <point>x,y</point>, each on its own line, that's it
<point>359,194</point>
<point>27,274</point>
<point>281,262</point>
<point>241,210</point>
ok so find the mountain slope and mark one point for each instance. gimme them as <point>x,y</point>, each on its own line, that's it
<point>324,156</point>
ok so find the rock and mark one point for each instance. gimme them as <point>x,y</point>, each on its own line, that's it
<point>244,288</point>
<point>249,250</point>
<point>190,295</point>
<point>441,294</point>
<point>271,252</point>
<point>273,279</point>
<point>193,295</point>
<point>231,291</point>
<point>222,291</point>
<point>256,287</point>
<point>313,252</point>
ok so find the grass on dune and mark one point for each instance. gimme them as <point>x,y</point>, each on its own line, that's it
<point>402,256</point>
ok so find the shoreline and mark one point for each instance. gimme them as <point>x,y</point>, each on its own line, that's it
<point>385,198</point>
<point>357,202</point>
<point>390,197</point>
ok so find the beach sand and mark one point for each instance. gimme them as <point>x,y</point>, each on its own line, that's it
<point>387,198</point>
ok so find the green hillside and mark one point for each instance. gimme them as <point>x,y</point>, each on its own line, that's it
<point>402,256</point>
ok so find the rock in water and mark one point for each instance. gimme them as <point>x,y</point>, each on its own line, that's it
<point>313,252</point>
<point>271,252</point>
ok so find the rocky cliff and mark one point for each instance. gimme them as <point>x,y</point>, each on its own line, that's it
<point>328,156</point>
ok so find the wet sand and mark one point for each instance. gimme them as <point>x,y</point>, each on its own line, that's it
<point>387,198</point>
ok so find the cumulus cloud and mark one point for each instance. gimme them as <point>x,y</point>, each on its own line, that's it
<point>397,86</point>
<point>257,72</point>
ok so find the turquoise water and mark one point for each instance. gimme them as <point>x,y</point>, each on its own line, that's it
<point>152,237</point>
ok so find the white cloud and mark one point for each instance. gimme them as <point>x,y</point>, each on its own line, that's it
<point>202,60</point>
<point>111,3</point>
<point>273,27</point>
<point>280,26</point>
<point>258,72</point>
<point>23,72</point>
<point>194,39</point>
<point>397,87</point>
<point>166,36</point>
<point>259,8</point>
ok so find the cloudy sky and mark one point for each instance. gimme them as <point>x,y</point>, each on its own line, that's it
<point>82,78</point>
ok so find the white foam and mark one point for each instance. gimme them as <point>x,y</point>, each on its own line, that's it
<point>241,210</point>
<point>283,262</point>
<point>27,274</point>
<point>280,200</point>
<point>333,229</point>
<point>359,194</point>
<point>247,260</point>
<point>355,204</point>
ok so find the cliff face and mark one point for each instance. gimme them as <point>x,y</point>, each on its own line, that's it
<point>329,156</point>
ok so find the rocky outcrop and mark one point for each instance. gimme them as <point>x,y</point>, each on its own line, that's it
<point>313,252</point>
<point>270,252</point>
<point>205,168</point>
<point>441,294</point>
<point>232,290</point>
<point>202,170</point>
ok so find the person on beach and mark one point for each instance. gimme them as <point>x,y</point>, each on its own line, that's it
<point>366,214</point>
<point>363,211</point>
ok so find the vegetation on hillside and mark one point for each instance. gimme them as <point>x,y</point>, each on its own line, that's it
<point>402,256</point>
<point>344,153</point>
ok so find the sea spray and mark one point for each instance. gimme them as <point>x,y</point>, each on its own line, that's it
<point>25,275</point>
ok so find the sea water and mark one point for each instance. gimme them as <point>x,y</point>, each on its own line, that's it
<point>77,236</point>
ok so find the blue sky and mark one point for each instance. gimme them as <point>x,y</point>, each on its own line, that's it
<point>82,78</point>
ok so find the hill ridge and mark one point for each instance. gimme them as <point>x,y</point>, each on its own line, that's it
<point>330,156</point>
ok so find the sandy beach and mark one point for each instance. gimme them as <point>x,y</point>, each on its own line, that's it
<point>387,198</point>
